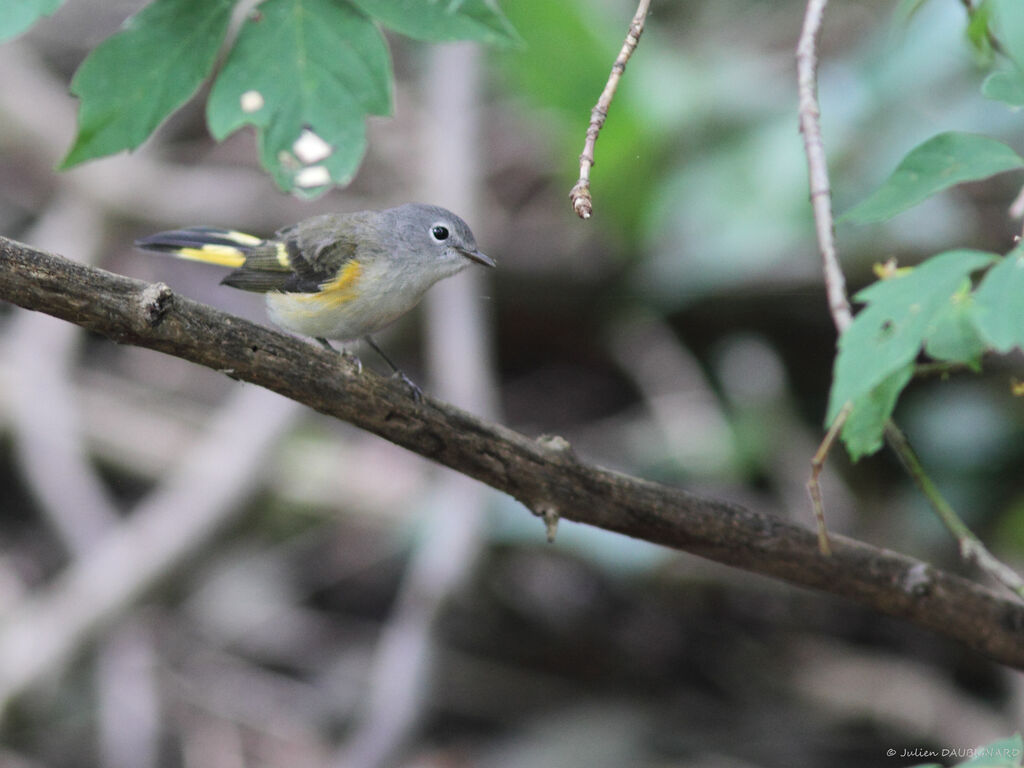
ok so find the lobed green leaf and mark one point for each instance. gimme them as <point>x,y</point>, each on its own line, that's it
<point>927,307</point>
<point>134,79</point>
<point>316,65</point>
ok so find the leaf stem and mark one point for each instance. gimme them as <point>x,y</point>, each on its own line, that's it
<point>971,547</point>
<point>818,464</point>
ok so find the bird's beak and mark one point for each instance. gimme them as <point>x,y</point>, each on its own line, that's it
<point>479,258</point>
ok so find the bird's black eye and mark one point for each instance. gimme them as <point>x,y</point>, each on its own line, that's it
<point>439,232</point>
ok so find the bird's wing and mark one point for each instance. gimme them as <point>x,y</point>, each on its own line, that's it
<point>302,258</point>
<point>320,249</point>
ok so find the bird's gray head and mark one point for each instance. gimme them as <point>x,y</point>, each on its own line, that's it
<point>436,234</point>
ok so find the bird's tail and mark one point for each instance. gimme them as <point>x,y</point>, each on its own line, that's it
<point>207,244</point>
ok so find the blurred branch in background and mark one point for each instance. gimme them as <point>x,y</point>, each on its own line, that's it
<point>44,412</point>
<point>460,366</point>
<point>40,635</point>
<point>542,474</point>
<point>49,442</point>
<point>138,185</point>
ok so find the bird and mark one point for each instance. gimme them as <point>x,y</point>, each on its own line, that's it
<point>337,276</point>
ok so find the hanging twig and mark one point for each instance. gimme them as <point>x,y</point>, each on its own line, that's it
<point>582,202</point>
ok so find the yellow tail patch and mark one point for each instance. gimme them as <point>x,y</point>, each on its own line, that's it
<point>224,255</point>
<point>242,238</point>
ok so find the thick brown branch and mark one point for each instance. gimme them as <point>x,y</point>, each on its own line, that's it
<point>544,474</point>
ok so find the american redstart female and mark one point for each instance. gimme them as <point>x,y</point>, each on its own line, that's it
<point>338,276</point>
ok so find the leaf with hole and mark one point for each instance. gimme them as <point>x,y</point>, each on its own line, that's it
<point>912,310</point>
<point>300,68</point>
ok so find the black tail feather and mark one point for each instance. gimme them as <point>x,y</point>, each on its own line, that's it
<point>193,237</point>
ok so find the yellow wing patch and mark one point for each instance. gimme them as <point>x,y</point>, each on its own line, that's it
<point>336,292</point>
<point>282,256</point>
<point>224,255</point>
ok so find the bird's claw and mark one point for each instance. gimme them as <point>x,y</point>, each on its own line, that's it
<point>414,389</point>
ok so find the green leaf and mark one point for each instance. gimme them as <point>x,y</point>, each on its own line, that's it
<point>16,16</point>
<point>443,20</point>
<point>298,65</point>
<point>978,30</point>
<point>865,427</point>
<point>1008,26</point>
<point>903,313</point>
<point>942,161</point>
<point>998,310</point>
<point>906,10</point>
<point>1006,85</point>
<point>1005,753</point>
<point>137,77</point>
<point>952,335</point>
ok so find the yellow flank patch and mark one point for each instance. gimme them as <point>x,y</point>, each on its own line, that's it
<point>335,292</point>
<point>224,255</point>
<point>282,256</point>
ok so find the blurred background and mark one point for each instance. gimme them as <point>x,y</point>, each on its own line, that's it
<point>198,573</point>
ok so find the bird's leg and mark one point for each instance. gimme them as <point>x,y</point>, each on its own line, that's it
<point>417,393</point>
<point>343,352</point>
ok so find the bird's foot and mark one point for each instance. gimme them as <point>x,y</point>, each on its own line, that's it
<point>414,389</point>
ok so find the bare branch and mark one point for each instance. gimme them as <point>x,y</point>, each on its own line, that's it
<point>543,475</point>
<point>817,166</point>
<point>582,202</point>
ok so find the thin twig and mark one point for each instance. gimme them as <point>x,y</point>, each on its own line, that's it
<point>821,203</point>
<point>814,486</point>
<point>971,548</point>
<point>817,166</point>
<point>582,202</point>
